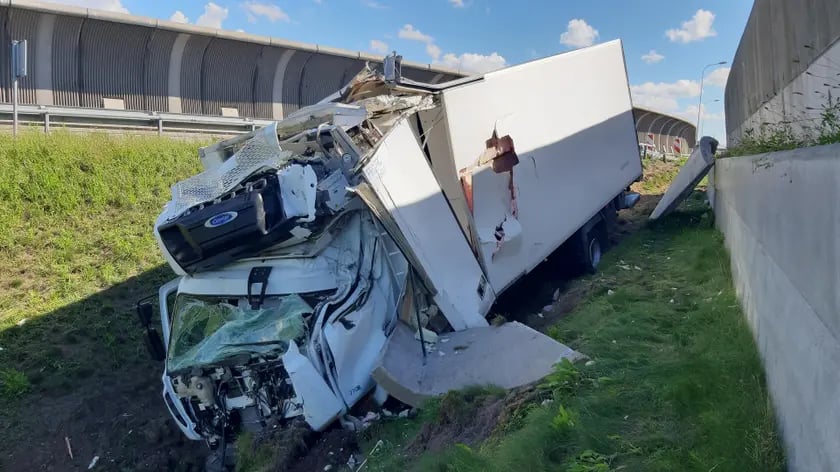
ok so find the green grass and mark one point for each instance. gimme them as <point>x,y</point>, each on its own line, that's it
<point>676,383</point>
<point>78,249</point>
<point>13,384</point>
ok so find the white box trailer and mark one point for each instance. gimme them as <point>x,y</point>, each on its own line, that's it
<point>312,253</point>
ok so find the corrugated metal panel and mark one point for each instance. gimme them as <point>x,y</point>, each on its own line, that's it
<point>264,82</point>
<point>423,75</point>
<point>323,75</point>
<point>191,70</point>
<point>5,81</point>
<point>23,24</point>
<point>112,63</point>
<point>65,61</point>
<point>156,73</point>
<point>291,82</point>
<point>228,76</point>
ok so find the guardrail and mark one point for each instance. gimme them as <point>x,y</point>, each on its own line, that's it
<point>47,118</point>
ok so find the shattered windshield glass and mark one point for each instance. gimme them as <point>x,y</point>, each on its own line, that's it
<point>206,330</point>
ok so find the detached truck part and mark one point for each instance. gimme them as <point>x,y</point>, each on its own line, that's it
<point>311,254</point>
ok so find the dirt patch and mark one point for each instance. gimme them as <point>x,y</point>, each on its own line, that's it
<point>123,423</point>
<point>332,450</point>
<point>461,419</point>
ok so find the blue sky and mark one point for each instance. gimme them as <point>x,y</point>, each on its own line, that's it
<point>666,43</point>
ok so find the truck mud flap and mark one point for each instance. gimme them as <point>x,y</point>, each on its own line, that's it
<point>698,165</point>
<point>508,356</point>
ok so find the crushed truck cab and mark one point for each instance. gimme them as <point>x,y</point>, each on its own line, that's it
<point>316,256</point>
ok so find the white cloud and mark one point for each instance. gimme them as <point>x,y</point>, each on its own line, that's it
<point>433,51</point>
<point>108,5</point>
<point>663,96</point>
<point>374,4</point>
<point>579,34</point>
<point>718,77</point>
<point>213,16</point>
<point>654,102</point>
<point>269,11</point>
<point>652,57</point>
<point>690,114</point>
<point>699,27</point>
<point>179,17</point>
<point>457,3</point>
<point>409,32</point>
<point>379,46</point>
<point>679,89</point>
<point>469,62</point>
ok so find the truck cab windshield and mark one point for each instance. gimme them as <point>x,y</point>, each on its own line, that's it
<point>207,330</point>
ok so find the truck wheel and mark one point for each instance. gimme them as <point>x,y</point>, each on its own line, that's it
<point>587,246</point>
<point>593,253</point>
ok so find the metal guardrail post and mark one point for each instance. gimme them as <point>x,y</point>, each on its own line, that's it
<point>47,122</point>
<point>160,126</point>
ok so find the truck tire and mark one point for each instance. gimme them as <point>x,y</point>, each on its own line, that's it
<point>587,246</point>
<point>593,250</point>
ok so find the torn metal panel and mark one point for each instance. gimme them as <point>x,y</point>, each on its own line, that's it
<point>507,356</point>
<point>576,153</point>
<point>399,174</point>
<point>701,160</point>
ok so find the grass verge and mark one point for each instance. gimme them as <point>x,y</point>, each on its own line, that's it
<point>78,213</point>
<point>676,382</point>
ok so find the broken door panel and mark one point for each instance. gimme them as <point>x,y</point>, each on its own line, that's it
<point>399,174</point>
<point>701,160</point>
<point>508,356</point>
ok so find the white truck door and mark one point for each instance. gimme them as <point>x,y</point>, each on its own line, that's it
<point>399,174</point>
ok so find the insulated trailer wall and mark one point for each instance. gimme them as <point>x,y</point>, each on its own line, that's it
<point>570,120</point>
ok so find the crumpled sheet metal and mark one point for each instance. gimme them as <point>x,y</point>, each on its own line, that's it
<point>207,333</point>
<point>260,152</point>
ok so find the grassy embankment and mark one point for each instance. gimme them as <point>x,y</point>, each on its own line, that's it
<point>676,382</point>
<point>77,214</point>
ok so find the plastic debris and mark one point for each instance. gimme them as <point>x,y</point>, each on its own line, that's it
<point>351,462</point>
<point>589,363</point>
<point>372,451</point>
<point>429,337</point>
<point>672,300</point>
<point>610,292</point>
<point>69,449</point>
<point>444,340</point>
<point>547,308</point>
<point>21,322</point>
<point>369,418</point>
<point>93,462</point>
<point>625,267</point>
<point>387,413</point>
<point>540,315</point>
<point>637,267</point>
<point>547,401</point>
<point>404,413</point>
<point>327,467</point>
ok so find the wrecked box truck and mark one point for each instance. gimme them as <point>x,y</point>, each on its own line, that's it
<point>318,258</point>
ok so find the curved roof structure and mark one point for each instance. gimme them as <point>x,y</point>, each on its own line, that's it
<point>95,59</point>
<point>663,131</point>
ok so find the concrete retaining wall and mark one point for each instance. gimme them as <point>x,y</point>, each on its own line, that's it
<point>783,51</point>
<point>780,214</point>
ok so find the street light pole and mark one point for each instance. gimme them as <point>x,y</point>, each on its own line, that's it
<point>700,105</point>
